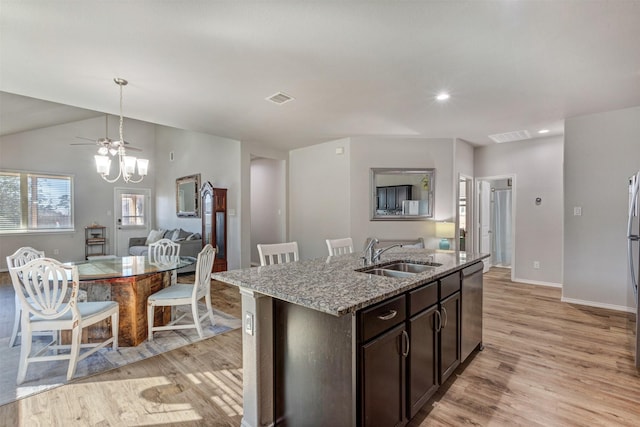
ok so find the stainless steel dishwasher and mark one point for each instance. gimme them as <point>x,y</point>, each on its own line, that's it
<point>471,309</point>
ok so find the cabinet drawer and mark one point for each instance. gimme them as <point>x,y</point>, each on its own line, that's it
<point>423,297</point>
<point>449,284</point>
<point>383,316</point>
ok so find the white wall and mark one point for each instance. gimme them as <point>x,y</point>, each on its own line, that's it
<point>319,192</point>
<point>49,150</point>
<point>601,151</point>
<point>217,160</point>
<point>381,152</point>
<point>537,166</point>
<point>268,202</point>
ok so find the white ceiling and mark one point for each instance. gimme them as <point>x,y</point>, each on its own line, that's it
<point>353,67</point>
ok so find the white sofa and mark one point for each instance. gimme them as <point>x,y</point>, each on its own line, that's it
<point>190,244</point>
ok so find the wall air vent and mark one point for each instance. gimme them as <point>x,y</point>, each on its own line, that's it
<point>279,98</point>
<point>517,135</point>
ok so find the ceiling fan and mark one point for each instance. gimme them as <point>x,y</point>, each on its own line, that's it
<point>106,144</point>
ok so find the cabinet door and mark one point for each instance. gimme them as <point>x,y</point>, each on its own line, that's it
<point>391,198</point>
<point>422,362</point>
<point>381,197</point>
<point>382,365</point>
<point>449,336</point>
<point>402,193</point>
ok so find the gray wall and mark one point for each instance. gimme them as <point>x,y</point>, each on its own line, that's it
<point>601,152</point>
<point>330,193</point>
<point>216,159</point>
<point>537,166</point>
<point>49,150</point>
<point>319,196</point>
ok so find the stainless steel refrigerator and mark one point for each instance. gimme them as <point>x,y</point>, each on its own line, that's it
<point>633,250</point>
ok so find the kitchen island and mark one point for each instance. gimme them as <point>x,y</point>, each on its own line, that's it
<point>327,344</point>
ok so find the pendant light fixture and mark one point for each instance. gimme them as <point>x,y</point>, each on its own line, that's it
<point>126,164</point>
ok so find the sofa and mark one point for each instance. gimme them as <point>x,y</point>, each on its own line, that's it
<point>190,244</point>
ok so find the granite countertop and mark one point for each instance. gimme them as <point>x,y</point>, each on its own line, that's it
<point>331,285</point>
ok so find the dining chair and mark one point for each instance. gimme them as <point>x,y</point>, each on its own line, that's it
<point>278,253</point>
<point>340,246</point>
<point>18,258</point>
<point>48,292</point>
<point>185,294</point>
<point>164,251</point>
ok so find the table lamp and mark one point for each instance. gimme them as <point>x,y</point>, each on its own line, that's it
<point>446,231</point>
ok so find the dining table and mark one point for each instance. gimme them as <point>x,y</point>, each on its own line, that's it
<point>129,281</point>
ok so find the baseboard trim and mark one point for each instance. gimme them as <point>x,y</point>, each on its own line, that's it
<point>537,282</point>
<point>599,305</point>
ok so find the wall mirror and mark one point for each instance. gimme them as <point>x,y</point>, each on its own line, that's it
<point>402,193</point>
<point>188,196</point>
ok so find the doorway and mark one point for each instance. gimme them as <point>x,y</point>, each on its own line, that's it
<point>268,203</point>
<point>465,213</point>
<point>132,214</point>
<point>496,221</point>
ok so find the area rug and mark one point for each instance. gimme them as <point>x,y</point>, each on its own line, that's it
<point>47,375</point>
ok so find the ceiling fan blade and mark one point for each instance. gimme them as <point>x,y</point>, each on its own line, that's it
<point>88,139</point>
<point>134,148</point>
<point>83,143</point>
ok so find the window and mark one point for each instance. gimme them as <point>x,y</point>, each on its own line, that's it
<point>35,202</point>
<point>132,209</point>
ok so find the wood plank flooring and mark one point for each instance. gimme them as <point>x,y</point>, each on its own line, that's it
<point>545,363</point>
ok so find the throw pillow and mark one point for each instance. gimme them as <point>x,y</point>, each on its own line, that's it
<point>154,236</point>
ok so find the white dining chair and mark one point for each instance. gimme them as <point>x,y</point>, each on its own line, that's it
<point>278,253</point>
<point>48,292</point>
<point>18,258</point>
<point>164,251</point>
<point>340,246</point>
<point>185,294</point>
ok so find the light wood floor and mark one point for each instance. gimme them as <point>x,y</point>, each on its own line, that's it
<point>545,363</point>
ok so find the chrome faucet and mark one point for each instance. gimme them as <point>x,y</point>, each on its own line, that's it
<point>368,255</point>
<point>378,252</point>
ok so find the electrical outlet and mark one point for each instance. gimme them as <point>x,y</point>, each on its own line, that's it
<point>536,265</point>
<point>56,251</point>
<point>248,323</point>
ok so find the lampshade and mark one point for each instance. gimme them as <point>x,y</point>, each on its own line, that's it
<point>445,230</point>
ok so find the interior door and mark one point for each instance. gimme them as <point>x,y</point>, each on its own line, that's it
<point>132,214</point>
<point>484,213</point>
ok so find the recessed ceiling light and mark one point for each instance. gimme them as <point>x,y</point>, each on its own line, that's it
<point>543,131</point>
<point>443,96</point>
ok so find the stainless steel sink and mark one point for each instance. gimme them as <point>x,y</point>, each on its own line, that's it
<point>400,269</point>
<point>388,273</point>
<point>411,267</point>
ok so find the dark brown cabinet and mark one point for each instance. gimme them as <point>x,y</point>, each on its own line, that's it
<point>390,198</point>
<point>410,345</point>
<point>449,336</point>
<point>422,362</point>
<point>383,385</point>
<point>214,223</point>
<point>384,346</point>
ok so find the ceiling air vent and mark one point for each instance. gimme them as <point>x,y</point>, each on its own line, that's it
<point>517,135</point>
<point>279,98</point>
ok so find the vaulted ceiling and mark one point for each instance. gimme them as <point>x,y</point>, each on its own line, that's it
<point>353,67</point>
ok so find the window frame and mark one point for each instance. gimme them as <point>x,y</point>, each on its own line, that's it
<point>23,176</point>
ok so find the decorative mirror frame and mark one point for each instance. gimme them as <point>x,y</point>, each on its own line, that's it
<point>184,183</point>
<point>417,177</point>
